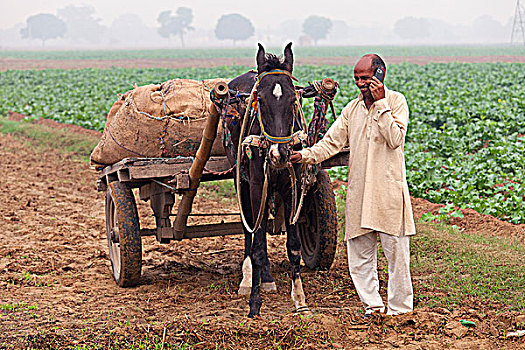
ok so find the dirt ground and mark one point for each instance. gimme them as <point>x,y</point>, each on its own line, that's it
<point>57,292</point>
<point>22,64</point>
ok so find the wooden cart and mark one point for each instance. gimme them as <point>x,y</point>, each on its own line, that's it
<point>160,179</point>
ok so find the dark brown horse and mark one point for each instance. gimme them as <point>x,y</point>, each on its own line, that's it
<point>266,127</point>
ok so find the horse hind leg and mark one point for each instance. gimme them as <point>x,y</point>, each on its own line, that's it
<point>258,262</point>
<point>268,286</point>
<point>293,248</point>
<point>246,284</point>
<point>297,294</point>
<point>267,281</point>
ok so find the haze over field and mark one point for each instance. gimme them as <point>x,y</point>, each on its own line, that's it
<point>134,23</point>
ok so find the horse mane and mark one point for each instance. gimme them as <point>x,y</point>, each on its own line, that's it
<point>273,62</point>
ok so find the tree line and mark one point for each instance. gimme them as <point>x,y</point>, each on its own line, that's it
<point>80,22</point>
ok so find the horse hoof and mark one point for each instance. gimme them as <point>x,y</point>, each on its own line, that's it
<point>303,311</point>
<point>244,291</point>
<point>269,286</point>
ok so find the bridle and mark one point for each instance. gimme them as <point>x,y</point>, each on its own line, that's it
<point>262,141</point>
<point>268,137</point>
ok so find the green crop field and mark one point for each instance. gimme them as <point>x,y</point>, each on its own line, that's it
<point>322,51</point>
<point>465,142</point>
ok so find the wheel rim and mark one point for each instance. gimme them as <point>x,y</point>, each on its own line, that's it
<point>112,230</point>
<point>309,228</point>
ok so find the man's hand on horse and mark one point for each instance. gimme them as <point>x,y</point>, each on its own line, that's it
<point>295,157</point>
<point>377,89</point>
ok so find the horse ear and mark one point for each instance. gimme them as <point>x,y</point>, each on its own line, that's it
<point>288,57</point>
<point>261,58</point>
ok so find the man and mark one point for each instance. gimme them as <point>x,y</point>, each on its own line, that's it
<point>378,202</point>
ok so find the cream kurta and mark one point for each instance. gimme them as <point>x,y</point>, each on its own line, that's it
<point>377,197</point>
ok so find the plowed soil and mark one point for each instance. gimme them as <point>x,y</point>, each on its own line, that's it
<point>22,64</point>
<point>57,291</point>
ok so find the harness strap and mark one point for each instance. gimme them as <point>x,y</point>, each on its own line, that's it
<point>275,71</point>
<point>251,140</point>
<point>238,173</point>
<point>259,141</point>
<point>272,139</point>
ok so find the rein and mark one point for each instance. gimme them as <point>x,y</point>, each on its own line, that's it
<point>262,141</point>
<point>252,104</point>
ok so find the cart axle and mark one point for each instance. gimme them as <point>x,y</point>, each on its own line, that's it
<point>196,231</point>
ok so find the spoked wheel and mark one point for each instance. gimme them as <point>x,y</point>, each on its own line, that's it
<point>317,227</point>
<point>122,227</point>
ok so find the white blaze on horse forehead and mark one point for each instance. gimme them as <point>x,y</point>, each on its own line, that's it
<point>277,91</point>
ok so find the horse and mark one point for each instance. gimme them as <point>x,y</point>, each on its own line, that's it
<point>259,141</point>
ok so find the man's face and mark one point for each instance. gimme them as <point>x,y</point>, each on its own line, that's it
<point>363,74</point>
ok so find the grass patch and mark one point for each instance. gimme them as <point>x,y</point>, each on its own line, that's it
<point>223,190</point>
<point>453,268</point>
<point>19,306</point>
<point>44,137</point>
<point>340,202</point>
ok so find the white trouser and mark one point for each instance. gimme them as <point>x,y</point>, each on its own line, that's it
<point>362,261</point>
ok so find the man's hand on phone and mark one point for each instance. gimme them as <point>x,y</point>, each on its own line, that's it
<point>295,157</point>
<point>377,89</point>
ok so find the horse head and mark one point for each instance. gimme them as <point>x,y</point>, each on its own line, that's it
<point>276,103</point>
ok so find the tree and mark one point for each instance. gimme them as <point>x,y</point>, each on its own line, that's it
<point>317,27</point>
<point>129,29</point>
<point>487,30</point>
<point>412,28</point>
<point>234,27</point>
<point>81,23</point>
<point>177,25</point>
<point>43,26</point>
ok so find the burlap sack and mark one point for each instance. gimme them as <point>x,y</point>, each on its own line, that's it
<point>154,121</point>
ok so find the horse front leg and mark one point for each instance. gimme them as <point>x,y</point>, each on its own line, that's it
<point>259,260</point>
<point>258,255</point>
<point>246,283</point>
<point>267,281</point>
<point>293,248</point>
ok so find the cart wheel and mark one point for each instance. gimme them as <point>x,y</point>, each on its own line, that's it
<point>318,227</point>
<point>122,227</point>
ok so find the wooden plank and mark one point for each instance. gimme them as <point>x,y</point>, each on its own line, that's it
<point>212,230</point>
<point>198,231</point>
<point>147,168</point>
<point>218,164</point>
<point>123,175</point>
<point>110,169</point>
<point>156,170</point>
<point>182,181</point>
<point>101,185</point>
<point>152,161</point>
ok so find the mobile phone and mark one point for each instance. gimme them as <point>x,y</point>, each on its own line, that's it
<point>380,73</point>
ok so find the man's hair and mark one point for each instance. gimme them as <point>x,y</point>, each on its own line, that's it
<point>376,61</point>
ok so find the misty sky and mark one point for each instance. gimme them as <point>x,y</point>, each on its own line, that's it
<point>267,13</point>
